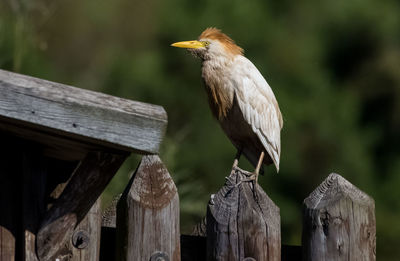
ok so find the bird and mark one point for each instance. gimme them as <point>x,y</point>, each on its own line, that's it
<point>239,97</point>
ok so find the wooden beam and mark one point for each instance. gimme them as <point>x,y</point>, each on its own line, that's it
<point>88,181</point>
<point>338,223</point>
<point>148,215</point>
<point>79,114</point>
<point>242,222</point>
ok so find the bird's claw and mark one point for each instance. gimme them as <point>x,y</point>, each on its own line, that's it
<point>250,175</point>
<point>245,172</point>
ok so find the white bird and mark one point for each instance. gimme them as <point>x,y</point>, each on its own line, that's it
<point>240,98</point>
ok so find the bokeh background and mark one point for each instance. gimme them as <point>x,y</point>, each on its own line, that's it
<point>333,65</point>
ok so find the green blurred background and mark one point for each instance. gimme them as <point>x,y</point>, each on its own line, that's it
<point>333,65</point>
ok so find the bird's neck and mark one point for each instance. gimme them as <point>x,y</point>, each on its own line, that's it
<point>216,74</point>
<point>218,64</point>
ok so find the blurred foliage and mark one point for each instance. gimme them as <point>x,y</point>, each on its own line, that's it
<point>333,65</point>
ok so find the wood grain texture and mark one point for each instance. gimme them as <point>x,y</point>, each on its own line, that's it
<point>148,214</point>
<point>88,181</point>
<point>54,146</point>
<point>242,222</point>
<point>91,226</point>
<point>79,114</point>
<point>339,223</point>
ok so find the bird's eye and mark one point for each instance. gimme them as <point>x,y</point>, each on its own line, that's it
<point>206,43</point>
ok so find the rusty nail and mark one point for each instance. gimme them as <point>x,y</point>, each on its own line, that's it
<point>80,239</point>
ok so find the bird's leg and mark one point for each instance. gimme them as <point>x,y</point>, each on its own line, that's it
<point>260,161</point>
<point>237,157</point>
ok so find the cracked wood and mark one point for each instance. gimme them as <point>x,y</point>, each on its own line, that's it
<point>339,223</point>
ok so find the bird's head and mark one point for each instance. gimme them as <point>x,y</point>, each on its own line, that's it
<point>212,43</point>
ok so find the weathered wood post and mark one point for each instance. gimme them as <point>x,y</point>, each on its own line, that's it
<point>148,215</point>
<point>85,240</point>
<point>242,222</point>
<point>338,223</point>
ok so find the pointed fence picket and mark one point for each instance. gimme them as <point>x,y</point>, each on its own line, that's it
<point>243,223</point>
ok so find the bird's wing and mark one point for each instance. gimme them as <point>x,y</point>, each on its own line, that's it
<point>259,106</point>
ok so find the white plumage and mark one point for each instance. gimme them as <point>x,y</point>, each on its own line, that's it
<point>259,105</point>
<point>239,96</point>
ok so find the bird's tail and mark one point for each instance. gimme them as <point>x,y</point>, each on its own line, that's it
<point>275,158</point>
<point>273,150</point>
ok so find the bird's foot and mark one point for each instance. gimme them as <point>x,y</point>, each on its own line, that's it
<point>250,176</point>
<point>245,172</point>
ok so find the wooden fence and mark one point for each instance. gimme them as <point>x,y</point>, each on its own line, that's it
<point>242,223</point>
<point>62,145</point>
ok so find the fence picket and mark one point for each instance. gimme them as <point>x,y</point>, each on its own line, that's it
<point>338,223</point>
<point>148,215</point>
<point>242,222</point>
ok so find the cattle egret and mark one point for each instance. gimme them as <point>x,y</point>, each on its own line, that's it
<point>240,98</point>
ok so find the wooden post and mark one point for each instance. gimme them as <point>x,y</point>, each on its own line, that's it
<point>339,223</point>
<point>148,215</point>
<point>242,222</point>
<point>85,241</point>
